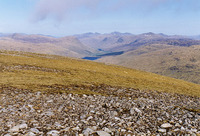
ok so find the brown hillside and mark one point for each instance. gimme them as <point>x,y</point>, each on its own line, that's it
<point>174,61</point>
<point>66,46</point>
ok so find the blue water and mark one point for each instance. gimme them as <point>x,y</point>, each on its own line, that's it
<point>91,58</point>
<point>103,55</point>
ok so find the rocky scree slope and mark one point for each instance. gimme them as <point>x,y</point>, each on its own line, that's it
<point>28,113</point>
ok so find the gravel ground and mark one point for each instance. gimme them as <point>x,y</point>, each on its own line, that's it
<point>122,112</point>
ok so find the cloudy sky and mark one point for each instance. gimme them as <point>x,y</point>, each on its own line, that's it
<point>68,17</point>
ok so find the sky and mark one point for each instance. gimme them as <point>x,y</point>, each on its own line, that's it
<point>69,17</point>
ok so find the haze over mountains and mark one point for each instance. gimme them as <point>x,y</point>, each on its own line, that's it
<point>174,56</point>
<point>65,46</point>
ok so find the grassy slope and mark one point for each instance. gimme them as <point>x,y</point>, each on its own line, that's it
<point>174,61</point>
<point>39,72</point>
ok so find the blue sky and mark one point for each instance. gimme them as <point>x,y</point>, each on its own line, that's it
<point>68,17</point>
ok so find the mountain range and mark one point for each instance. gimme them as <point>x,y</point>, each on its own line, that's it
<point>175,56</point>
<point>170,55</point>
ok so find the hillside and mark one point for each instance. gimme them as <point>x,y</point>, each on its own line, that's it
<point>35,71</point>
<point>169,55</point>
<point>174,61</point>
<point>53,95</point>
<point>65,46</point>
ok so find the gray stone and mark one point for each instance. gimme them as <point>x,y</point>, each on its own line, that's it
<point>107,130</point>
<point>162,130</point>
<point>7,135</point>
<point>132,111</point>
<point>103,133</point>
<point>94,128</point>
<point>76,128</point>
<point>189,115</point>
<point>30,134</point>
<point>114,113</point>
<point>117,118</point>
<point>180,121</point>
<point>53,133</point>
<point>14,129</point>
<point>89,118</point>
<point>35,130</point>
<point>182,128</point>
<point>87,131</point>
<point>166,125</point>
<point>194,130</point>
<point>177,129</point>
<point>137,110</point>
<point>177,125</point>
<point>66,129</point>
<point>23,126</point>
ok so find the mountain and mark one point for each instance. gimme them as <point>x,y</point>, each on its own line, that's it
<point>175,56</point>
<point>115,42</point>
<point>174,61</point>
<point>105,42</point>
<point>65,46</point>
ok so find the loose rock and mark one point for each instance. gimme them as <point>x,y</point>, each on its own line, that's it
<point>123,111</point>
<point>166,125</point>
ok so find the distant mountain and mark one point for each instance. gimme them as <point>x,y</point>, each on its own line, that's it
<point>180,62</point>
<point>115,42</point>
<point>105,42</point>
<point>170,55</point>
<point>195,37</point>
<point>65,46</point>
<point>86,35</point>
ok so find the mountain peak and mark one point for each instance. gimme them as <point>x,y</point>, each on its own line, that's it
<point>119,33</point>
<point>149,34</point>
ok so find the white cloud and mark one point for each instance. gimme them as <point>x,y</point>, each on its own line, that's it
<point>62,9</point>
<point>59,9</point>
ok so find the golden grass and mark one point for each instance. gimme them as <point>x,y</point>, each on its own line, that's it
<point>37,71</point>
